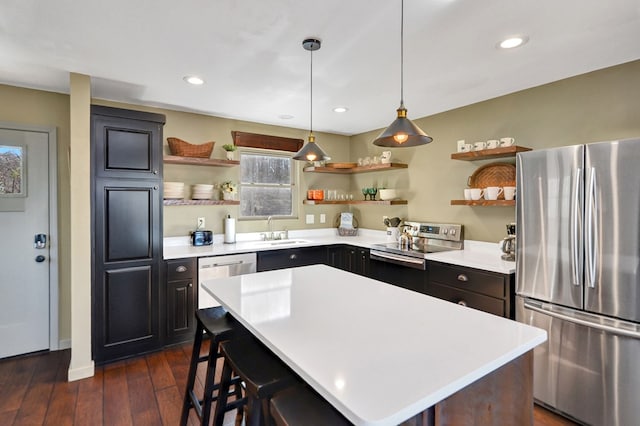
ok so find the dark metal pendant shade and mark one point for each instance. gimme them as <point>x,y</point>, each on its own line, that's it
<point>311,152</point>
<point>402,133</point>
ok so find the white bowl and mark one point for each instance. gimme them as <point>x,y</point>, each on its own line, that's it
<point>387,194</point>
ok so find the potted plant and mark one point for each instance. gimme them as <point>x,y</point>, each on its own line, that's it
<point>229,190</point>
<point>230,148</point>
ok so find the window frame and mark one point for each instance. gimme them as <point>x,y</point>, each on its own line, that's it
<point>293,185</point>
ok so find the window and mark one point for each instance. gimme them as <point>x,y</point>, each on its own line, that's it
<point>266,185</point>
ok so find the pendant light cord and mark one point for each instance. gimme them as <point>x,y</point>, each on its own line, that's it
<point>402,54</point>
<point>311,104</point>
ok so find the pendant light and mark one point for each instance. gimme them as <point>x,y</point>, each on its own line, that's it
<point>311,151</point>
<point>402,132</point>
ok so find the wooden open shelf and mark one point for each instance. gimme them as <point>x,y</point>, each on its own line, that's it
<point>192,161</point>
<point>509,151</point>
<point>358,169</point>
<point>483,202</point>
<point>174,202</point>
<point>378,202</point>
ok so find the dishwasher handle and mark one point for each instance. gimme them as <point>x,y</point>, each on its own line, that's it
<point>215,265</point>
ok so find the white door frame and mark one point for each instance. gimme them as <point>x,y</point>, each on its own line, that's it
<point>54,341</point>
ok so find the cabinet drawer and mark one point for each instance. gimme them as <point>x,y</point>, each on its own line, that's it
<point>290,258</point>
<point>468,279</point>
<point>180,269</point>
<point>467,298</point>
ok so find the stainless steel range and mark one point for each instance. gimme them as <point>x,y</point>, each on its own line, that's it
<point>424,238</point>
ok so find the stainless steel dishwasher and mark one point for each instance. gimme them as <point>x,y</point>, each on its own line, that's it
<point>221,267</point>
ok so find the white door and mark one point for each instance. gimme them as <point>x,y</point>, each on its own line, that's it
<point>24,213</point>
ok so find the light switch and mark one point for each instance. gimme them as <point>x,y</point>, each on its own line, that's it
<point>323,218</point>
<point>311,219</point>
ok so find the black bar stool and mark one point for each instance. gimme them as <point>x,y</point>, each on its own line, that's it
<point>219,326</point>
<point>262,373</point>
<point>302,406</point>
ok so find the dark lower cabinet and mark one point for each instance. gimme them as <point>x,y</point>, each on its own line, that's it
<point>126,177</point>
<point>335,256</point>
<point>290,258</point>
<point>181,299</point>
<point>398,275</point>
<point>356,260</point>
<point>483,290</point>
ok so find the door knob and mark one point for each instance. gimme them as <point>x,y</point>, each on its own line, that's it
<point>40,258</point>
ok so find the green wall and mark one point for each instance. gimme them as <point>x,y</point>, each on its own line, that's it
<point>598,106</point>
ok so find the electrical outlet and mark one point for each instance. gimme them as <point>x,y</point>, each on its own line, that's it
<point>200,223</point>
<point>323,218</point>
<point>311,219</point>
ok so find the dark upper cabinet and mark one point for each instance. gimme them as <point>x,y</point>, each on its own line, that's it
<point>483,290</point>
<point>127,233</point>
<point>127,144</point>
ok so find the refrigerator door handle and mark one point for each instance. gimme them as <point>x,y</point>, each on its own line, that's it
<point>569,318</point>
<point>575,229</point>
<point>590,235</point>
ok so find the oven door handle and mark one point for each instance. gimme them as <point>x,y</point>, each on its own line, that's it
<point>388,256</point>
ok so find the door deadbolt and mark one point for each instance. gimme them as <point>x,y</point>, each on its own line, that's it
<point>40,241</point>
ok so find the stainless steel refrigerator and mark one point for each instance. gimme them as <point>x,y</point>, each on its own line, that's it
<point>578,276</point>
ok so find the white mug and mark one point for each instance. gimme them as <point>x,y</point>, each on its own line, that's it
<point>385,158</point>
<point>493,144</point>
<point>504,142</point>
<point>476,193</point>
<point>479,146</point>
<point>467,194</point>
<point>462,146</point>
<point>509,192</point>
<point>492,192</point>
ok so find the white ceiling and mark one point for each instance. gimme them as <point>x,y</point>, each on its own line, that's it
<point>250,52</point>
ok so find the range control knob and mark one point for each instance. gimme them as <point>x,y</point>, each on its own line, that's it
<point>452,231</point>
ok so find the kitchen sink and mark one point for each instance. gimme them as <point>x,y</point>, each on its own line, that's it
<point>277,243</point>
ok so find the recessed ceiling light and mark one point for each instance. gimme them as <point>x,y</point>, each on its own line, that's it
<point>512,42</point>
<point>285,116</point>
<point>340,109</point>
<point>193,79</point>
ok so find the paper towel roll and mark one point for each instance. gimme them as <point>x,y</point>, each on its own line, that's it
<point>229,230</point>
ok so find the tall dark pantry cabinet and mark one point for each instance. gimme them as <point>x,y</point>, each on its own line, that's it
<point>126,154</point>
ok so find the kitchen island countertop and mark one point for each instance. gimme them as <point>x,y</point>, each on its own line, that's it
<point>476,254</point>
<point>379,353</point>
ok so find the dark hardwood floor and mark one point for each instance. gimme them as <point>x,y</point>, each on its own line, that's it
<point>146,390</point>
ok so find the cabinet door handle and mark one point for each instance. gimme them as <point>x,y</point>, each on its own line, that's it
<point>190,285</point>
<point>181,269</point>
<point>293,256</point>
<point>463,278</point>
<point>462,303</point>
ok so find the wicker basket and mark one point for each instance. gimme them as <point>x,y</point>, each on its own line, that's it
<point>346,232</point>
<point>493,174</point>
<point>185,149</point>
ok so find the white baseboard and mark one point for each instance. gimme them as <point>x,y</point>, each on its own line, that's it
<point>81,372</point>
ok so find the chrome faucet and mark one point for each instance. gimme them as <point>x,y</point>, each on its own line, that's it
<point>269,228</point>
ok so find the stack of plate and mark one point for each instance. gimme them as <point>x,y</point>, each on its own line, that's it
<point>202,191</point>
<point>174,190</point>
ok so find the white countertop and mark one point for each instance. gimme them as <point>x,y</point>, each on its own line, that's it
<point>379,353</point>
<point>476,254</point>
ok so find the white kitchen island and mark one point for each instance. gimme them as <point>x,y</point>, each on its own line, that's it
<point>381,354</point>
